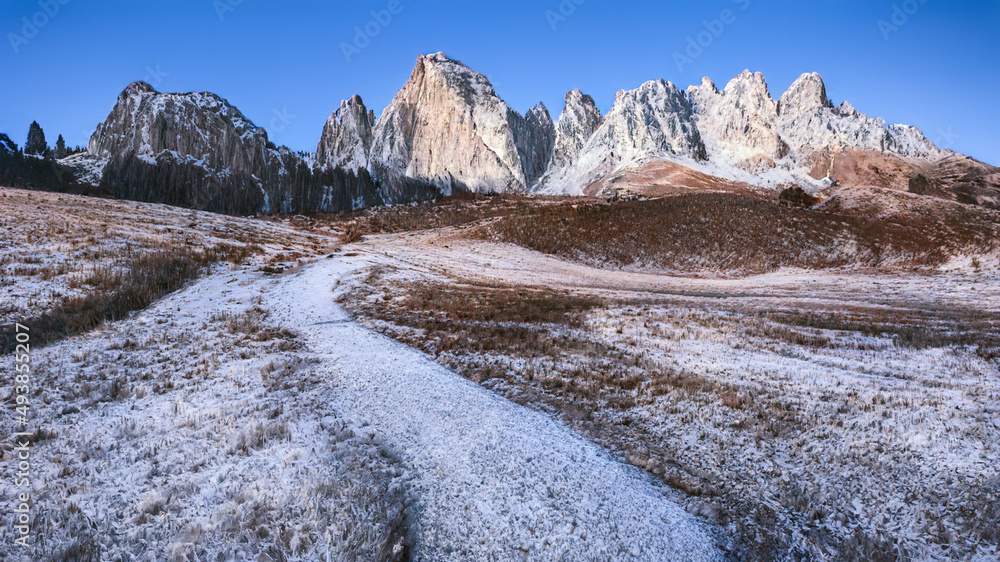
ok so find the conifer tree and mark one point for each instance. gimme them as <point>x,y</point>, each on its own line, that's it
<point>36,140</point>
<point>60,151</point>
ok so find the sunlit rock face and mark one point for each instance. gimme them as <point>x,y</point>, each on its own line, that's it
<point>347,136</point>
<point>448,127</point>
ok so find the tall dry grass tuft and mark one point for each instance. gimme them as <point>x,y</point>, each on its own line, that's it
<point>137,280</point>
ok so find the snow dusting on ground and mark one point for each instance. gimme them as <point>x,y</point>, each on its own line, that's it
<point>250,416</point>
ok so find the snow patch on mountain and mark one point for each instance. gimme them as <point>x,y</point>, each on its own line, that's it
<point>577,124</point>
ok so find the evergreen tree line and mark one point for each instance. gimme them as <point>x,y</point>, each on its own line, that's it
<point>18,169</point>
<point>36,166</point>
<point>36,145</point>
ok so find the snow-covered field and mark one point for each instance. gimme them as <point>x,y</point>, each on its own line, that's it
<point>248,417</point>
<point>828,415</point>
<point>254,414</point>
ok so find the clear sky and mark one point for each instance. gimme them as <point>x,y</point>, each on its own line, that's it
<point>930,63</point>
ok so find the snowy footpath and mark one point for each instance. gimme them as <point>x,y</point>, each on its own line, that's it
<point>491,480</point>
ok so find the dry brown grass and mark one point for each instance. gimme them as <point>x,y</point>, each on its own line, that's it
<point>534,347</point>
<point>916,328</point>
<point>741,233</point>
<point>135,282</point>
<point>458,210</point>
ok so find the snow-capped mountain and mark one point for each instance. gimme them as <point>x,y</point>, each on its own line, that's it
<point>578,122</point>
<point>347,136</point>
<point>737,124</point>
<point>447,130</point>
<point>656,120</point>
<point>196,150</point>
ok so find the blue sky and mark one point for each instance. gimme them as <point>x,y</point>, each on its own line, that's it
<point>930,63</point>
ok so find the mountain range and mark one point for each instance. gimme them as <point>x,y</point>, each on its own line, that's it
<point>448,131</point>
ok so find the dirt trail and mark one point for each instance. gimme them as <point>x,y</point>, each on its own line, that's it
<point>492,480</point>
<point>447,253</point>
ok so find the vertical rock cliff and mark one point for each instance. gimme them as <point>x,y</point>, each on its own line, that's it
<point>347,136</point>
<point>448,127</point>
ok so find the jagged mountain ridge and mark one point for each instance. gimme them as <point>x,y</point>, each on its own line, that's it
<point>740,134</point>
<point>745,135</point>
<point>196,150</point>
<point>447,131</point>
<point>578,122</point>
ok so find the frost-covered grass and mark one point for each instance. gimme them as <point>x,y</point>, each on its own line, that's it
<point>56,248</point>
<point>178,426</point>
<point>806,429</point>
<point>199,430</point>
<point>817,415</point>
<point>134,282</point>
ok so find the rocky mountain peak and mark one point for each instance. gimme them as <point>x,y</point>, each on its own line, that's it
<point>652,121</point>
<point>737,124</point>
<point>808,93</point>
<point>437,57</point>
<point>449,72</point>
<point>846,109</point>
<point>811,125</point>
<point>534,136</point>
<point>540,109</point>
<point>751,88</point>
<point>448,127</point>
<point>347,136</point>
<point>137,88</point>
<point>200,124</point>
<point>579,119</point>
<point>577,99</point>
